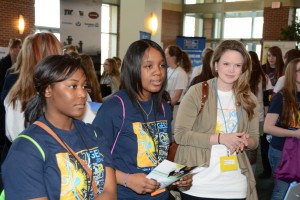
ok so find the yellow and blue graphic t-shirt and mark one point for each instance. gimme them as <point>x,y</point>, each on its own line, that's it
<point>74,178</point>
<point>152,142</point>
<point>141,144</point>
<point>60,175</point>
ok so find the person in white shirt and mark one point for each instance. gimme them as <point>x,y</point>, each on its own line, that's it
<point>36,47</point>
<point>179,68</point>
<point>289,56</point>
<point>198,69</point>
<point>217,137</point>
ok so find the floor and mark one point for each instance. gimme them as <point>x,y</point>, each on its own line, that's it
<point>264,186</point>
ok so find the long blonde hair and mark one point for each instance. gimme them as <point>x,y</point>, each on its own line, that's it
<point>289,114</point>
<point>113,68</point>
<point>35,47</point>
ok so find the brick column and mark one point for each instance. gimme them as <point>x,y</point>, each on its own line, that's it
<point>274,20</point>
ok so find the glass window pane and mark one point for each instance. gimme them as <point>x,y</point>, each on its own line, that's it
<point>298,14</point>
<point>258,27</point>
<point>110,14</point>
<point>189,26</point>
<point>108,46</point>
<point>201,1</point>
<point>232,27</point>
<point>217,26</point>
<point>47,13</point>
<point>238,0</point>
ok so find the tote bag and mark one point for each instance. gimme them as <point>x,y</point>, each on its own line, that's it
<point>289,168</point>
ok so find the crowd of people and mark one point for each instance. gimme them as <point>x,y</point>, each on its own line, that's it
<point>149,99</point>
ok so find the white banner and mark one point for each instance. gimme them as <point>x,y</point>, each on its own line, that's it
<point>3,52</point>
<point>80,24</point>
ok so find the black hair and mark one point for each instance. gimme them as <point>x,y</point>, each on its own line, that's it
<point>50,70</point>
<point>206,72</point>
<point>131,79</point>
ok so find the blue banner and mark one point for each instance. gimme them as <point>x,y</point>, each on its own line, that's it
<point>145,35</point>
<point>193,46</point>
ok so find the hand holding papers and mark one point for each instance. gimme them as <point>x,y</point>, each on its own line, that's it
<point>169,172</point>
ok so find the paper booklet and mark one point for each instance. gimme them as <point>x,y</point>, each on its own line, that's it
<point>168,172</point>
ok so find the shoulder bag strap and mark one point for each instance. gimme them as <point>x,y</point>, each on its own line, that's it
<point>71,151</point>
<point>173,146</point>
<point>204,95</point>
<point>124,114</point>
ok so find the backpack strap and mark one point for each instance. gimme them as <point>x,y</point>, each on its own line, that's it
<point>204,95</point>
<point>124,114</point>
<point>2,195</point>
<point>35,144</point>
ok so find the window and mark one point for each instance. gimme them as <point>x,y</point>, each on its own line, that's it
<point>252,23</point>
<point>193,25</point>
<point>47,18</point>
<point>109,31</point>
<point>201,1</point>
<point>222,23</point>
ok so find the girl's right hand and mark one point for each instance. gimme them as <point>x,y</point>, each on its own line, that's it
<point>233,141</point>
<point>142,185</point>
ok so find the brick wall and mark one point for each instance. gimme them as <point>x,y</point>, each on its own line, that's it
<point>274,20</point>
<point>171,27</point>
<point>9,12</point>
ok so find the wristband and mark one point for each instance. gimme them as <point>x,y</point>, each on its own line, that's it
<point>219,138</point>
<point>125,180</point>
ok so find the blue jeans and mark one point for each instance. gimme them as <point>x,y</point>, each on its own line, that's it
<point>280,187</point>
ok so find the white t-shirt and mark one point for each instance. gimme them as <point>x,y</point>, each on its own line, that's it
<point>14,118</point>
<point>279,84</point>
<point>196,71</point>
<point>229,184</point>
<point>177,80</point>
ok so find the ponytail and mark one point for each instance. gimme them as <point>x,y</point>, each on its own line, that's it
<point>186,62</point>
<point>34,109</point>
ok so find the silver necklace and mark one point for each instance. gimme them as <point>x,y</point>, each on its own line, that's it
<point>147,115</point>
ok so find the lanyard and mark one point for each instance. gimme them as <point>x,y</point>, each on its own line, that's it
<point>172,73</point>
<point>106,79</point>
<point>224,119</point>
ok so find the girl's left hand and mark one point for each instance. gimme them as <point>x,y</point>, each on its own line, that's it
<point>185,181</point>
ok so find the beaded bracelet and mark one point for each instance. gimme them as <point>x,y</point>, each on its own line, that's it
<point>125,180</point>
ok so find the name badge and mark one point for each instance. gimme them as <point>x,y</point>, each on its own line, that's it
<point>228,163</point>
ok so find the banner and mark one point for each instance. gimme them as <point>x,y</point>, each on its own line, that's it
<point>80,24</point>
<point>193,46</point>
<point>3,52</point>
<point>145,35</point>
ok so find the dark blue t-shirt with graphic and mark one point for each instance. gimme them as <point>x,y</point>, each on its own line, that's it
<point>141,144</point>
<point>276,107</point>
<point>26,175</point>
